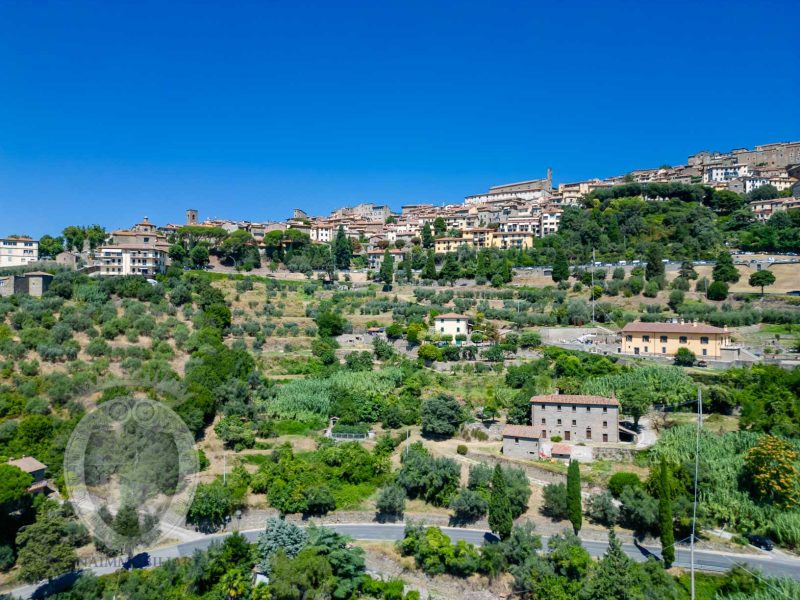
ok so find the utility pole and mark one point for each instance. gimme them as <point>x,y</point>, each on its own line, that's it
<point>696,472</point>
<point>592,290</point>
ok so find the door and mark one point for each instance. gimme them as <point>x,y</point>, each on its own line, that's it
<point>567,435</point>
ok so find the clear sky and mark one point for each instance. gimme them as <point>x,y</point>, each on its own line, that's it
<point>110,111</point>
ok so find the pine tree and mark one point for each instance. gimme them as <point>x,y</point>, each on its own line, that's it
<point>429,270</point>
<point>665,520</point>
<point>574,509</point>
<point>614,576</point>
<point>500,519</point>
<point>427,236</point>
<point>560,267</point>
<point>342,251</point>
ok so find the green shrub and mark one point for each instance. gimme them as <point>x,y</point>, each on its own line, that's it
<point>619,481</point>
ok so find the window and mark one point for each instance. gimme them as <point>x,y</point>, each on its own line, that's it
<point>544,433</point>
<point>645,338</point>
<point>543,406</point>
<point>663,349</point>
<point>705,351</point>
<point>605,437</point>
<point>663,339</point>
<point>682,339</point>
<point>516,440</point>
<point>574,408</point>
<point>558,422</point>
<point>544,421</point>
<point>574,422</point>
<point>628,338</point>
<point>605,423</point>
<point>588,433</point>
<point>704,340</point>
<point>605,409</point>
<point>558,407</point>
<point>588,409</point>
<point>645,349</point>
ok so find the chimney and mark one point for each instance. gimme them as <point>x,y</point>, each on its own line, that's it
<point>694,322</point>
<point>556,392</point>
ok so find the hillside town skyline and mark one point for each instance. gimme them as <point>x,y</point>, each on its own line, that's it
<point>740,170</point>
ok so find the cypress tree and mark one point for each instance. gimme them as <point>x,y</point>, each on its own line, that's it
<point>500,519</point>
<point>386,273</point>
<point>560,267</point>
<point>427,236</point>
<point>429,270</point>
<point>342,251</point>
<point>665,520</point>
<point>408,263</point>
<point>574,509</point>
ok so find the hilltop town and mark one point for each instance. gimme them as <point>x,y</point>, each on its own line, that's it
<point>417,398</point>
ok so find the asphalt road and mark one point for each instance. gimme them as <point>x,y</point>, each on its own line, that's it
<point>773,564</point>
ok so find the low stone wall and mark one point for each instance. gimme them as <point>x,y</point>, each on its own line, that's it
<point>531,469</point>
<point>615,454</point>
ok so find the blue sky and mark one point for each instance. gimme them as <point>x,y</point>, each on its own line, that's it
<point>114,110</point>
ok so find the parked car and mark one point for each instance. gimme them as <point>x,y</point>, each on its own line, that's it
<point>760,541</point>
<point>702,363</point>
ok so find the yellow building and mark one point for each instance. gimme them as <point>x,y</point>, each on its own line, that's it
<point>444,245</point>
<point>664,339</point>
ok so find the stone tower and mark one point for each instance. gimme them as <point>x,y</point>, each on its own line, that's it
<point>191,216</point>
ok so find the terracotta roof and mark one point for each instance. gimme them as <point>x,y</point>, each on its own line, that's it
<point>574,399</point>
<point>37,274</point>
<point>452,316</point>
<point>642,327</point>
<point>520,431</point>
<point>561,449</point>
<point>27,464</point>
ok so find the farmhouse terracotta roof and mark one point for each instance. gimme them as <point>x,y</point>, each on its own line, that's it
<point>561,449</point>
<point>37,274</point>
<point>520,431</point>
<point>642,327</point>
<point>574,399</point>
<point>27,464</point>
<point>452,316</point>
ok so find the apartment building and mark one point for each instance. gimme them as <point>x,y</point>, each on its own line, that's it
<point>665,339</point>
<point>764,209</point>
<point>18,250</point>
<point>724,173</point>
<point>444,245</point>
<point>745,185</point>
<point>576,418</point>
<point>141,250</point>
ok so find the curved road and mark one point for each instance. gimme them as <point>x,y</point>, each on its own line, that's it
<point>773,564</point>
